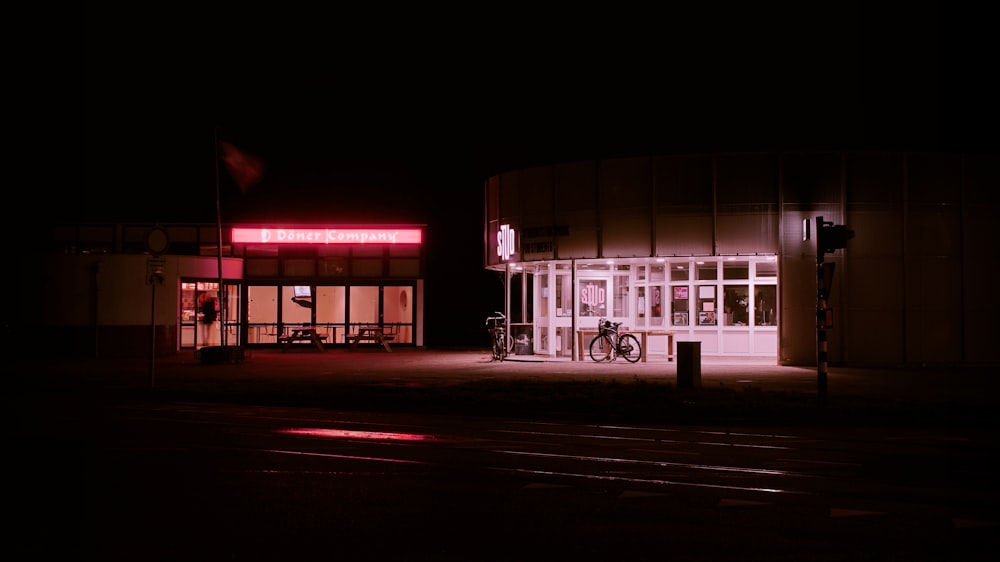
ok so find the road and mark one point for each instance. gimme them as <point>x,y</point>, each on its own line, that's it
<point>175,480</point>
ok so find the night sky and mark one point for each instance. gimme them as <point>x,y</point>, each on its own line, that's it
<point>414,107</point>
<point>402,118</point>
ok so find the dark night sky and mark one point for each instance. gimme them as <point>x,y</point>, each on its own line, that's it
<point>402,119</point>
<point>119,124</point>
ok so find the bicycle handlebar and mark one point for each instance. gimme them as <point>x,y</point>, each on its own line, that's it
<point>607,323</point>
<point>499,316</point>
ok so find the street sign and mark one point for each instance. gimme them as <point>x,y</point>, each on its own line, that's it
<point>154,270</point>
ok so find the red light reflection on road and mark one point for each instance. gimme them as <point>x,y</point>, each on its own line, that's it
<point>352,434</point>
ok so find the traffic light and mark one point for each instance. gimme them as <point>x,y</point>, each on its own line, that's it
<point>830,237</point>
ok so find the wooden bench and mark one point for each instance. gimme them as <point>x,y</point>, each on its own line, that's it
<point>584,336</point>
<point>665,333</point>
<point>304,334</point>
<point>370,334</point>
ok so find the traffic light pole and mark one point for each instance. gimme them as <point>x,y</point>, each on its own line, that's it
<point>821,307</point>
<point>829,238</point>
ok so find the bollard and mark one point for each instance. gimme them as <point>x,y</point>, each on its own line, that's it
<point>689,364</point>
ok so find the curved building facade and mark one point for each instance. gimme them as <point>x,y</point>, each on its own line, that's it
<point>721,248</point>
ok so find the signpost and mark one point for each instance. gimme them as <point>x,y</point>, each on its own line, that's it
<point>829,238</point>
<point>157,242</point>
<point>154,277</point>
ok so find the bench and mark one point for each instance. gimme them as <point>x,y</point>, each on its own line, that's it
<point>286,339</point>
<point>370,335</point>
<point>584,336</point>
<point>306,335</point>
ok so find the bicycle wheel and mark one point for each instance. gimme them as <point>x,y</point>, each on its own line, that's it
<point>628,347</point>
<point>498,351</point>
<point>600,348</point>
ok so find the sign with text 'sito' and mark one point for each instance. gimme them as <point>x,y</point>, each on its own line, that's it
<point>326,236</point>
<point>505,242</point>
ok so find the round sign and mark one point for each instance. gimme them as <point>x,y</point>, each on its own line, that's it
<point>157,241</point>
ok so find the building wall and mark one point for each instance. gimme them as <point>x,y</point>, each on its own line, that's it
<point>913,285</point>
<point>103,304</point>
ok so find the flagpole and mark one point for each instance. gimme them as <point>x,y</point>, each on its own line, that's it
<point>218,220</point>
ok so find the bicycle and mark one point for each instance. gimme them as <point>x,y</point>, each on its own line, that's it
<point>501,342</point>
<point>609,344</point>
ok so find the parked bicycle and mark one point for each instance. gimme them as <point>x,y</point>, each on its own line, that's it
<point>609,344</point>
<point>501,341</point>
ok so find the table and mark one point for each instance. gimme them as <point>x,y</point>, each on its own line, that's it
<point>583,337</point>
<point>303,333</point>
<point>373,334</point>
<point>650,333</point>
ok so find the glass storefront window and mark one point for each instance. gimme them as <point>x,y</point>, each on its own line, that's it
<point>656,273</point>
<point>679,307</point>
<point>594,298</point>
<point>295,309</point>
<point>364,305</point>
<point>262,314</point>
<point>331,311</point>
<point>736,270</point>
<point>397,309</point>
<point>656,305</point>
<point>621,287</point>
<point>200,300</point>
<point>640,311</point>
<point>679,272</point>
<point>564,304</point>
<point>705,303</point>
<point>764,305</point>
<point>297,267</point>
<point>736,305</point>
<point>767,269</point>
<point>333,267</point>
<point>543,298</point>
<point>707,271</point>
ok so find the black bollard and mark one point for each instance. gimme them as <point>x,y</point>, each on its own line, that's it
<point>689,364</point>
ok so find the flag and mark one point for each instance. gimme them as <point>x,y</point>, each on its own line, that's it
<point>245,169</point>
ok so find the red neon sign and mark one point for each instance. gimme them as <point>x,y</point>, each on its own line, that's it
<point>326,236</point>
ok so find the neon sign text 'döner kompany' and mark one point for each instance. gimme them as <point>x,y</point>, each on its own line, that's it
<point>326,236</point>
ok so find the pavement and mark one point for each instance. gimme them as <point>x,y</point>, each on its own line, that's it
<point>467,382</point>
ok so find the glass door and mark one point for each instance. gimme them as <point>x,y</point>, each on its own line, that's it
<point>200,309</point>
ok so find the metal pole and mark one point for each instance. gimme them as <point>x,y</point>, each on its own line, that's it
<point>152,332</point>
<point>218,220</point>
<point>820,330</point>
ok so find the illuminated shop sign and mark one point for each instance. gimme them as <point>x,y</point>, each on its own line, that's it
<point>326,236</point>
<point>505,242</point>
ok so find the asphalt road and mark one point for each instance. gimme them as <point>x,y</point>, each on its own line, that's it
<point>447,456</point>
<point>206,481</point>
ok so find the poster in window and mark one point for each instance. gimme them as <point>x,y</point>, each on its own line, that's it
<point>680,319</point>
<point>706,318</point>
<point>657,309</point>
<point>680,293</point>
<point>594,298</point>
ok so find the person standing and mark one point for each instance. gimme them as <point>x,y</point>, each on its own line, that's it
<point>209,314</point>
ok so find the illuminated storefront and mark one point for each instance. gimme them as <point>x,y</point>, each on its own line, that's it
<point>333,278</point>
<point>713,248</point>
<point>109,290</point>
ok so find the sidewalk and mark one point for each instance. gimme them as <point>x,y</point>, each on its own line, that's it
<point>469,382</point>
